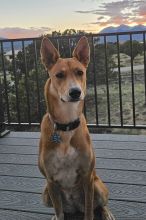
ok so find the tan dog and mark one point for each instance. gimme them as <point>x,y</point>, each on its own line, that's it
<point>66,156</point>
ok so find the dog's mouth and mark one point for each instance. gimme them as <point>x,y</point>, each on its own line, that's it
<point>71,100</point>
<point>75,100</point>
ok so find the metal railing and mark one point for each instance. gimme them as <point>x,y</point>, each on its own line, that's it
<point>116,82</point>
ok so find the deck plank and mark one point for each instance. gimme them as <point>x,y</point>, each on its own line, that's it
<point>24,134</point>
<point>121,154</point>
<point>9,149</point>
<point>17,215</point>
<point>19,170</point>
<point>120,145</point>
<point>121,164</point>
<point>20,141</point>
<point>118,137</point>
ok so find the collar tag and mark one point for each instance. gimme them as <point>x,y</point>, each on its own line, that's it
<point>55,138</point>
<point>67,128</point>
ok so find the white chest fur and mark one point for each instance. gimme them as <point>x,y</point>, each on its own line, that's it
<point>63,166</point>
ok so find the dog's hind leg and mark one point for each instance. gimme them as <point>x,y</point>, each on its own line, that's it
<point>100,193</point>
<point>101,200</point>
<point>103,213</point>
<point>46,197</point>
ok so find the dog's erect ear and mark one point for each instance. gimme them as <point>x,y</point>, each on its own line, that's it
<point>49,54</point>
<point>82,51</point>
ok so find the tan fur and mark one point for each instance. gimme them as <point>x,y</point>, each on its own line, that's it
<point>69,166</point>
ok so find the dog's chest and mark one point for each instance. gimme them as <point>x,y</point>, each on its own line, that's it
<point>64,166</point>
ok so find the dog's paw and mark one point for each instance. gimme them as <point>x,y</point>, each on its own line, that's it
<point>61,217</point>
<point>54,217</point>
<point>103,214</point>
<point>107,215</point>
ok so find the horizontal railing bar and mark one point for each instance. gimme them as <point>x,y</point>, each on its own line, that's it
<point>116,126</point>
<point>89,125</point>
<point>75,36</point>
<point>20,39</point>
<point>22,123</point>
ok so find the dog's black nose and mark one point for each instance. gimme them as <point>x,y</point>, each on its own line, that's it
<point>75,93</point>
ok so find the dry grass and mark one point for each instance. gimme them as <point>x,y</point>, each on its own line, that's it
<point>125,60</point>
<point>127,106</point>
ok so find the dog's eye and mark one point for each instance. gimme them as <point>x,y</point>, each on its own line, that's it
<point>60,75</point>
<point>79,72</point>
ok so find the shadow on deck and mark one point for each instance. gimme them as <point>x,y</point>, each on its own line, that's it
<point>120,162</point>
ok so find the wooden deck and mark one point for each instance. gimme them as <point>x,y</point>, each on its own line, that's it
<point>120,162</point>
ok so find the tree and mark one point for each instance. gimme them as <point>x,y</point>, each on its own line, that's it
<point>101,65</point>
<point>137,48</point>
<point>6,62</point>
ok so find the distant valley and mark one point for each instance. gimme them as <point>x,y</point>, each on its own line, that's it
<point>17,45</point>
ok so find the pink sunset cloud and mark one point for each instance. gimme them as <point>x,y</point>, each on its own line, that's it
<point>17,32</point>
<point>119,12</point>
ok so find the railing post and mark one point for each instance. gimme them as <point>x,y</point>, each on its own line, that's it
<point>3,130</point>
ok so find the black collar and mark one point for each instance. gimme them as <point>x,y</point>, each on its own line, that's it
<point>67,127</point>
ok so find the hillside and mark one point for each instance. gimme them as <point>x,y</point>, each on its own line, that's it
<point>124,28</point>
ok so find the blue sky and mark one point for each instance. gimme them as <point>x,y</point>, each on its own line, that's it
<point>28,18</point>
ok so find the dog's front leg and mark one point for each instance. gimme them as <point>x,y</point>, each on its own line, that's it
<point>89,198</point>
<point>55,196</point>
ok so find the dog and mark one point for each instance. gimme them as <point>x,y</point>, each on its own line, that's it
<point>66,156</point>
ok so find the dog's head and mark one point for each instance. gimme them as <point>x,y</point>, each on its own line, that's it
<point>68,76</point>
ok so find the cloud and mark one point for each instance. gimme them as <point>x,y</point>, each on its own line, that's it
<point>101,18</point>
<point>119,12</point>
<point>17,32</point>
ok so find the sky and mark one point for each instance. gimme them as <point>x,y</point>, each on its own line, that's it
<point>32,18</point>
